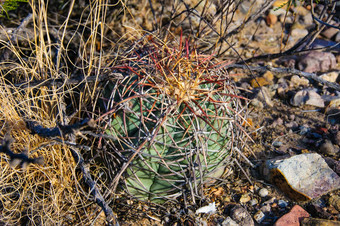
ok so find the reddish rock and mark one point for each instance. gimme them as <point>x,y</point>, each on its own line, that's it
<point>293,218</point>
<point>316,62</point>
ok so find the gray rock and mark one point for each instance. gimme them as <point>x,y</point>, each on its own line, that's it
<point>308,97</point>
<point>229,222</point>
<point>253,202</point>
<point>302,177</point>
<point>282,203</point>
<point>337,37</point>
<point>330,32</point>
<point>264,95</point>
<point>328,148</point>
<point>299,32</point>
<point>241,216</point>
<point>263,192</point>
<point>316,62</point>
<point>259,216</point>
<point>266,208</point>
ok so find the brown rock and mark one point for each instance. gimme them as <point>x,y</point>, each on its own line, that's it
<point>258,82</point>
<point>293,218</point>
<point>271,19</point>
<point>241,216</point>
<point>318,222</point>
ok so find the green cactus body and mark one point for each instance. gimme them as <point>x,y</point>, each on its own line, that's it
<point>187,142</point>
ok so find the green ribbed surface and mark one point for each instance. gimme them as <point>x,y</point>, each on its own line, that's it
<point>188,148</point>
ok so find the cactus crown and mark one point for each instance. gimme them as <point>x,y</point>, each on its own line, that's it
<point>172,120</point>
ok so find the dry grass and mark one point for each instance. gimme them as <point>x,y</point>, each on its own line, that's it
<point>84,42</point>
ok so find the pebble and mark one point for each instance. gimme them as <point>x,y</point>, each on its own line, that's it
<point>245,198</point>
<point>331,76</point>
<point>229,222</point>
<point>298,81</point>
<point>337,37</point>
<point>299,32</point>
<point>316,61</point>
<point>271,19</point>
<point>258,82</point>
<point>294,217</point>
<point>263,192</point>
<point>330,32</point>
<point>266,208</point>
<point>259,216</point>
<point>282,203</point>
<point>268,76</point>
<point>328,148</point>
<point>308,97</point>
<point>253,202</point>
<point>241,216</point>
<point>276,144</point>
<point>263,94</point>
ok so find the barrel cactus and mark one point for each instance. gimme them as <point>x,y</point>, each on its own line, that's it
<point>174,115</point>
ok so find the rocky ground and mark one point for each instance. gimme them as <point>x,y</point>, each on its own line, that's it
<point>290,116</point>
<point>290,172</point>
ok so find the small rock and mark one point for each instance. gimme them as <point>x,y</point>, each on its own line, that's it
<point>331,76</point>
<point>276,144</point>
<point>270,201</point>
<point>244,198</point>
<point>253,202</point>
<point>294,217</point>
<point>263,94</point>
<point>318,222</point>
<point>259,216</point>
<point>299,32</point>
<point>302,177</point>
<point>292,125</point>
<point>330,32</point>
<point>317,61</point>
<point>298,81</point>
<point>307,19</point>
<point>334,200</point>
<point>263,192</point>
<point>266,208</point>
<point>328,148</point>
<point>308,97</point>
<point>282,203</point>
<point>271,19</point>
<point>229,222</point>
<point>337,37</point>
<point>241,216</point>
<point>258,82</point>
<point>268,76</point>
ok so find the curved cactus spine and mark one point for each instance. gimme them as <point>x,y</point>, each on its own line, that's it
<point>181,110</point>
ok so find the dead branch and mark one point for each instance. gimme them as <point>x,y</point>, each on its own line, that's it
<point>286,71</point>
<point>110,217</point>
<point>20,159</point>
<point>59,130</point>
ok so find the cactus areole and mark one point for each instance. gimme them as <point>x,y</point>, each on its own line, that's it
<point>174,113</point>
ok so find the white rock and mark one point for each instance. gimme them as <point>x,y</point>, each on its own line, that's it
<point>211,208</point>
<point>331,76</point>
<point>263,192</point>
<point>229,222</point>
